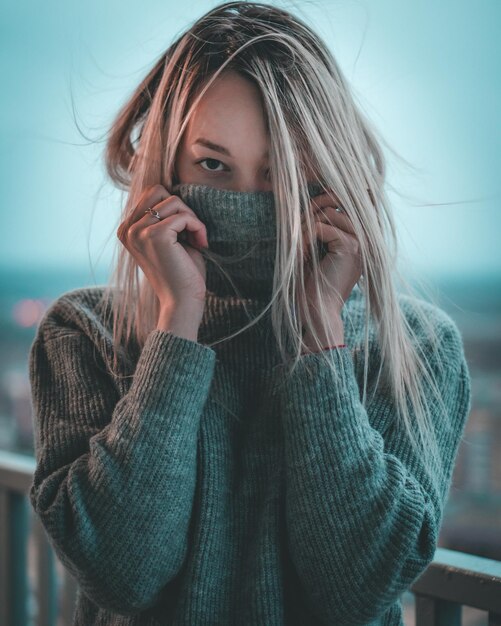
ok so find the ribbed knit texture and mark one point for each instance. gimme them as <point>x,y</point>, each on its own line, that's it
<point>241,228</point>
<point>170,506</point>
<point>209,488</point>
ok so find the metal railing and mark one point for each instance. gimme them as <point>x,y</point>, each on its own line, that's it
<point>454,579</point>
<point>34,588</point>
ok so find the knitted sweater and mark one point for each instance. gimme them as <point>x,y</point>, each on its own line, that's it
<point>201,491</point>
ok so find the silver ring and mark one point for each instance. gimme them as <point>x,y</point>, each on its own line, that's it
<point>339,209</point>
<point>154,213</point>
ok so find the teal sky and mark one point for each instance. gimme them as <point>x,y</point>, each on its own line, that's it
<point>426,73</point>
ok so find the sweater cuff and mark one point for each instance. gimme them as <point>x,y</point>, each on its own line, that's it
<point>320,411</point>
<point>172,370</point>
<point>312,377</point>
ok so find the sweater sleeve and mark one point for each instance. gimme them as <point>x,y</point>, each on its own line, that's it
<point>115,477</point>
<point>362,520</point>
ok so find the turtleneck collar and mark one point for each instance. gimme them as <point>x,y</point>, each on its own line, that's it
<point>241,228</point>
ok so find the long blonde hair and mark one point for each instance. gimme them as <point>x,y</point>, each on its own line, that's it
<point>312,119</point>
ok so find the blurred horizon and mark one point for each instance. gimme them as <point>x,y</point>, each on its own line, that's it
<point>437,105</point>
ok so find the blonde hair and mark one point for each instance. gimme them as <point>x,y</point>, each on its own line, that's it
<point>312,119</point>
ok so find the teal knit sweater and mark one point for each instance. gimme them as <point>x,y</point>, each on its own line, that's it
<point>200,491</point>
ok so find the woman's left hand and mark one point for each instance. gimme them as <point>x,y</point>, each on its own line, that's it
<point>341,266</point>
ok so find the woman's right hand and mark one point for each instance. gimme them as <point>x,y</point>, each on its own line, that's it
<point>165,249</point>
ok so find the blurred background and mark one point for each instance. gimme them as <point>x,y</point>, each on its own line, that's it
<point>427,74</point>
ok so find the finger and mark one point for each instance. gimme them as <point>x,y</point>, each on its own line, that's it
<point>153,198</point>
<point>194,236</point>
<point>149,199</point>
<point>324,231</point>
<point>174,200</point>
<point>179,228</point>
<point>321,201</point>
<point>335,238</point>
<point>184,222</point>
<point>325,199</point>
<point>329,215</point>
<point>313,210</point>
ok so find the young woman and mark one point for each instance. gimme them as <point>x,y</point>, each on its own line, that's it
<point>259,429</point>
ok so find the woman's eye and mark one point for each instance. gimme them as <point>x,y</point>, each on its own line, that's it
<point>212,161</point>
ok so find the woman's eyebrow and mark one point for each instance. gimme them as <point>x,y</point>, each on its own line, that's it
<point>217,148</point>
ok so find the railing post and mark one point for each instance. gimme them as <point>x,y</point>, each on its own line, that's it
<point>435,612</point>
<point>14,517</point>
<point>46,588</point>
<point>4,557</point>
<point>494,619</point>
<point>19,562</point>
